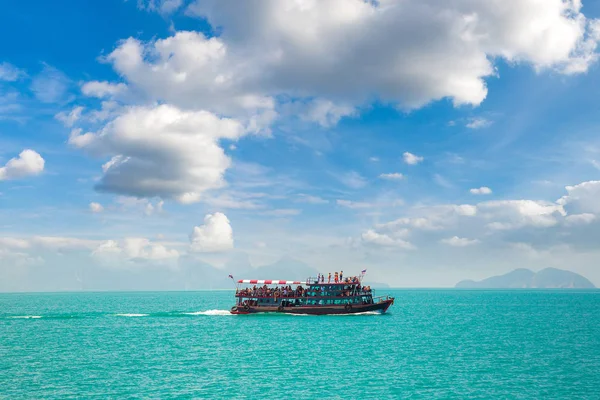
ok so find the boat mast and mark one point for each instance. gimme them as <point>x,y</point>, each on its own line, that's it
<point>237,289</point>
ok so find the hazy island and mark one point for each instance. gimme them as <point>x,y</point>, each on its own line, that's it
<point>525,278</point>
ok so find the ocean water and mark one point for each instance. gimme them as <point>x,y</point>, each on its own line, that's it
<point>432,343</point>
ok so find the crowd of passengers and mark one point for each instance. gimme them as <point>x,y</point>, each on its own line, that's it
<point>299,291</point>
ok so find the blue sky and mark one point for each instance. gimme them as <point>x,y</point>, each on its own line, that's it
<point>424,141</point>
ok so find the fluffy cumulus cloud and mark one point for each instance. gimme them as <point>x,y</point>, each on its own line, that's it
<point>215,235</point>
<point>322,53</point>
<point>96,208</point>
<point>162,152</point>
<point>582,198</point>
<point>427,49</point>
<point>316,60</point>
<point>190,70</point>
<point>28,163</point>
<point>411,159</point>
<point>481,190</point>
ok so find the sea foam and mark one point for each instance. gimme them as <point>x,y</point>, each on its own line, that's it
<point>131,315</point>
<point>210,312</point>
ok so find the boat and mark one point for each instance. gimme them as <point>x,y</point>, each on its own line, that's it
<point>313,296</point>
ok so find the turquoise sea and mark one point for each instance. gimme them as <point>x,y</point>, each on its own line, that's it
<point>433,343</point>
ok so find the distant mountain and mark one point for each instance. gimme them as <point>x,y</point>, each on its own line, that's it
<point>525,278</point>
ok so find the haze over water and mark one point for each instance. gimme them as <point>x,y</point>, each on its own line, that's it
<point>433,343</point>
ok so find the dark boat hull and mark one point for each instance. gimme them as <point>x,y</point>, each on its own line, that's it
<point>318,310</point>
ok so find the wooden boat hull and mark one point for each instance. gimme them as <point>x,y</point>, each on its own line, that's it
<point>317,310</point>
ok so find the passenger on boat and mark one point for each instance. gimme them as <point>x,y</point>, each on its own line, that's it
<point>329,279</point>
<point>336,279</point>
<point>341,276</point>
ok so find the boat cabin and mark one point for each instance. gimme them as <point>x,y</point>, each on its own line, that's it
<point>272,293</point>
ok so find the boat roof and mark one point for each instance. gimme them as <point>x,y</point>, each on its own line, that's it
<point>271,282</point>
<point>282,282</point>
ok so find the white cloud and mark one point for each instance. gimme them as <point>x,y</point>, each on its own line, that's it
<point>374,159</point>
<point>190,71</point>
<point>430,218</point>
<point>459,242</point>
<point>461,209</point>
<point>214,236</point>
<point>306,198</point>
<point>162,152</point>
<point>9,72</point>
<point>478,123</point>
<point>481,190</point>
<point>50,85</point>
<point>109,109</point>
<point>353,204</point>
<point>282,212</point>
<point>353,180</point>
<point>57,243</point>
<point>325,49</point>
<point>582,198</point>
<point>69,119</point>
<point>62,243</point>
<point>151,209</point>
<point>96,207</point>
<point>374,238</point>
<point>14,243</point>
<point>164,7</point>
<point>580,219</point>
<point>102,89</point>
<point>28,163</point>
<point>326,113</point>
<point>394,176</point>
<point>411,159</point>
<point>133,249</point>
<point>146,206</point>
<point>513,214</point>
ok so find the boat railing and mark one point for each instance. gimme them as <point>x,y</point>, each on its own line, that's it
<point>295,296</point>
<point>380,299</point>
